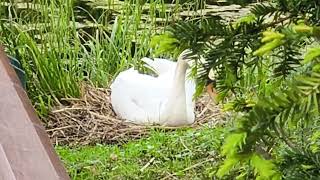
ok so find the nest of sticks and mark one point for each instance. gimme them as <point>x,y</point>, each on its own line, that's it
<point>91,120</point>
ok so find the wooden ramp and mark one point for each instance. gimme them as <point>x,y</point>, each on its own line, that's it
<point>25,149</point>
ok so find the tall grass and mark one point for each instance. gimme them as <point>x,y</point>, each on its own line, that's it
<point>48,48</point>
<point>58,55</point>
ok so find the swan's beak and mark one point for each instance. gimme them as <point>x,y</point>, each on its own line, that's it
<point>184,55</point>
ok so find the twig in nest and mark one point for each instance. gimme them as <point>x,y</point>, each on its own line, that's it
<point>91,119</point>
<point>60,128</point>
<point>148,164</point>
<point>184,145</point>
<point>190,167</point>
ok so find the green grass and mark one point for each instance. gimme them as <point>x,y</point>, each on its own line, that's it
<point>186,154</point>
<point>58,55</point>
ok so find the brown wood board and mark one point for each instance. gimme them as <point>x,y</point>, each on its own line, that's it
<point>25,149</point>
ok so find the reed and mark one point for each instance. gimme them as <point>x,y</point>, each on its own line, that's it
<point>59,49</point>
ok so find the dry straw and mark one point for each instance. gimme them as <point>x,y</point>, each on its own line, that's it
<point>90,120</point>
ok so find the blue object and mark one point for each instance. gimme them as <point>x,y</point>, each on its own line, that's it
<point>18,68</point>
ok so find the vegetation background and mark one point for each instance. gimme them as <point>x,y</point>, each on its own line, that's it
<point>267,63</point>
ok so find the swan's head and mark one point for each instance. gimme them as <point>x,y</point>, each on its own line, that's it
<point>184,59</point>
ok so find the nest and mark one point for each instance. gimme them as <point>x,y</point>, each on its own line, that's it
<point>91,119</point>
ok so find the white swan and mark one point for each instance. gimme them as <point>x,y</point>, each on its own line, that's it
<point>165,99</point>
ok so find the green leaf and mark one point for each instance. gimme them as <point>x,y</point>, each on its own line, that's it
<point>271,35</point>
<point>315,142</point>
<point>163,43</point>
<point>228,164</point>
<point>302,28</point>
<point>250,18</point>
<point>311,54</point>
<point>264,169</point>
<point>233,142</point>
<point>242,176</point>
<point>268,47</point>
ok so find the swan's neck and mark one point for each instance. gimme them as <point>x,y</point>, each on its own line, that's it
<point>175,111</point>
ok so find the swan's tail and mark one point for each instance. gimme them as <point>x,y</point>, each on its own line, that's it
<point>147,60</point>
<point>160,66</point>
<point>149,64</point>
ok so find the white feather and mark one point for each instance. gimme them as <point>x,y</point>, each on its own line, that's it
<point>143,99</point>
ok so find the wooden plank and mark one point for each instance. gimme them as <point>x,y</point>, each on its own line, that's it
<point>5,168</point>
<point>24,142</point>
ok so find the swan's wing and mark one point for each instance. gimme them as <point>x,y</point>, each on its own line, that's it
<point>137,97</point>
<point>124,93</point>
<point>160,66</point>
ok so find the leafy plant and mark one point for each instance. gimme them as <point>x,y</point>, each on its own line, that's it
<point>61,44</point>
<point>268,73</point>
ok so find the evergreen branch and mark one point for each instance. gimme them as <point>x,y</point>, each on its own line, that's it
<point>283,136</point>
<point>278,21</point>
